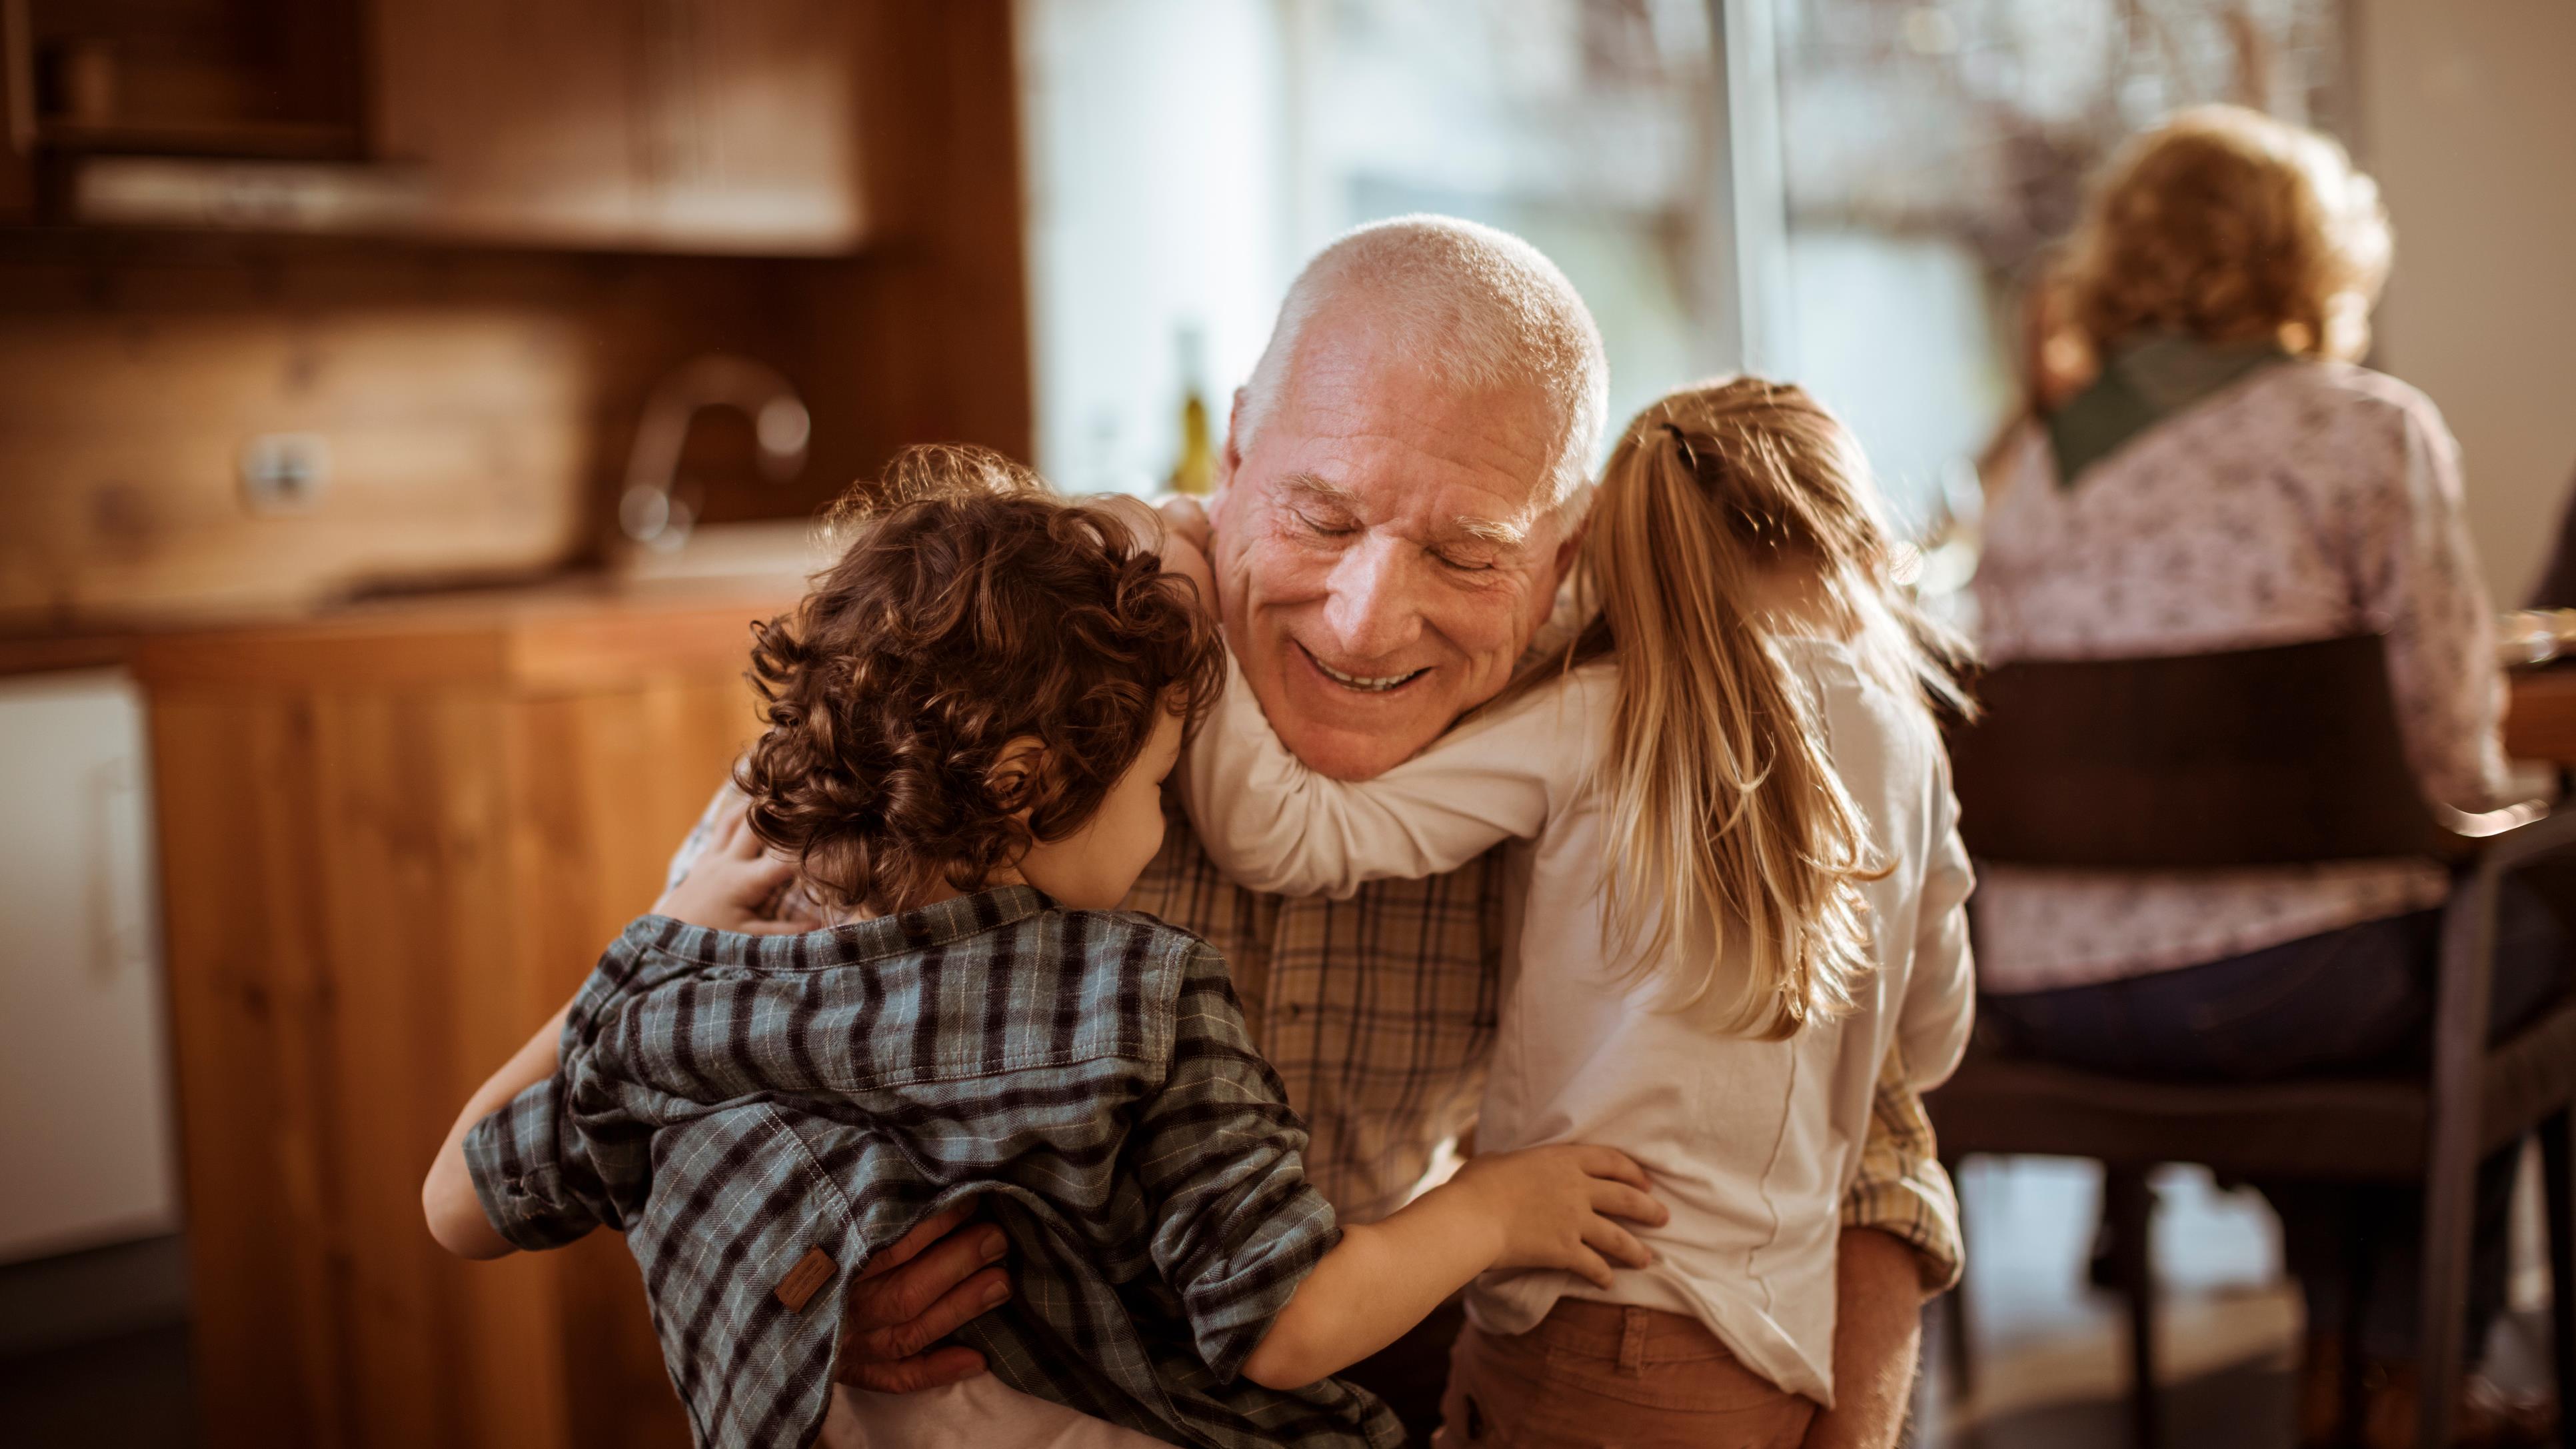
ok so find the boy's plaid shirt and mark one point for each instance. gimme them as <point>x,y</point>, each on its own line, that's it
<point>760,1114</point>
<point>1378,1012</point>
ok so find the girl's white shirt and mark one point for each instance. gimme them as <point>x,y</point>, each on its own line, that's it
<point>1751,1144</point>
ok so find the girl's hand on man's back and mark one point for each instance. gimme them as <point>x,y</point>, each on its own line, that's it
<point>736,885</point>
<point>1177,529</point>
<point>1556,1207</point>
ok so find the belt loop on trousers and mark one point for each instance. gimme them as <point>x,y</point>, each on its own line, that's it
<point>1632,1341</point>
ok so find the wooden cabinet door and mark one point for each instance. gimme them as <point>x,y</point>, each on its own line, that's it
<point>751,133</point>
<point>523,114</point>
<point>373,891</point>
<point>17,115</point>
<point>718,126</point>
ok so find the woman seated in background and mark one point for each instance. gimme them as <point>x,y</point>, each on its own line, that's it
<point>2208,471</point>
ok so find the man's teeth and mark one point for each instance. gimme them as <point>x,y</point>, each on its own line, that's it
<point>1384,682</point>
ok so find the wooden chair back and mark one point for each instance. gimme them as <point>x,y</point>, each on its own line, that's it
<point>2274,756</point>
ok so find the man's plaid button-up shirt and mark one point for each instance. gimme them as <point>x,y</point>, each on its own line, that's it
<point>761,1114</point>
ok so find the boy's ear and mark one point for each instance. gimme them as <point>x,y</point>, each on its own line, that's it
<point>1013,777</point>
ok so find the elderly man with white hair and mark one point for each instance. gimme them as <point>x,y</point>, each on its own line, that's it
<point>1403,483</point>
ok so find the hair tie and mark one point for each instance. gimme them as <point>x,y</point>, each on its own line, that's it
<point>1690,455</point>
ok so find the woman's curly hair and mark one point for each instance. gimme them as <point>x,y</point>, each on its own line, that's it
<point>2230,226</point>
<point>972,607</point>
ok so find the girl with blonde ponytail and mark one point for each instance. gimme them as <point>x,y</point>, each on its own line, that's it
<point>1727,514</point>
<point>1732,851</point>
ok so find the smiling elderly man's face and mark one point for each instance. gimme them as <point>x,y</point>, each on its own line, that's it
<point>1384,549</point>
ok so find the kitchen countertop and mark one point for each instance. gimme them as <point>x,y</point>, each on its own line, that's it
<point>688,606</point>
<point>577,630</point>
<point>48,653</point>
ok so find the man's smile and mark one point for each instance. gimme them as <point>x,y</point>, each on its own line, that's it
<point>1361,683</point>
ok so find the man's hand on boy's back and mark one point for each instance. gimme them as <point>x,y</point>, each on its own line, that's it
<point>911,1295</point>
<point>940,1274</point>
<point>947,1270</point>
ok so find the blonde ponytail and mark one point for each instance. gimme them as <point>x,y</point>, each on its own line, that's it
<point>1729,827</point>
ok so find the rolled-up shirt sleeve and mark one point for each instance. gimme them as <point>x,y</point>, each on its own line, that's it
<point>1236,1226</point>
<point>533,1173</point>
<point>1901,1189</point>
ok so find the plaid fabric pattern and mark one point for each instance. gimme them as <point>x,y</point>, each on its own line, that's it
<point>1378,1013</point>
<point>1901,1187</point>
<point>735,1104</point>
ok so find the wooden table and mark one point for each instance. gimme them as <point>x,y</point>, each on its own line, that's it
<point>393,839</point>
<point>2540,721</point>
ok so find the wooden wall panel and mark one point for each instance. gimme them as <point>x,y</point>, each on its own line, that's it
<point>457,442</point>
<point>477,409</point>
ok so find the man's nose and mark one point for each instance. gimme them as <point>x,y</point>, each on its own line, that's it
<point>1372,610</point>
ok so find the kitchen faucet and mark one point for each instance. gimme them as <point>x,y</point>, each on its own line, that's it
<point>650,511</point>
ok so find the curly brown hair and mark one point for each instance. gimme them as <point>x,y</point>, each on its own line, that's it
<point>2230,226</point>
<point>972,607</point>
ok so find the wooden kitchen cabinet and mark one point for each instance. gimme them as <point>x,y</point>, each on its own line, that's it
<point>392,842</point>
<point>702,126</point>
<point>723,126</point>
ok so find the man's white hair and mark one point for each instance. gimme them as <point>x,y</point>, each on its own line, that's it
<point>1473,306</point>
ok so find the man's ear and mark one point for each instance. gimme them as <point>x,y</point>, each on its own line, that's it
<point>1228,459</point>
<point>1573,544</point>
<point>1013,777</point>
<point>1232,457</point>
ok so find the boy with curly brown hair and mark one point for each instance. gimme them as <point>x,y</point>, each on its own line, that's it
<point>969,721</point>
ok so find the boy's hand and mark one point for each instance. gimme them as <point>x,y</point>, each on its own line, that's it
<point>1554,1207</point>
<point>736,885</point>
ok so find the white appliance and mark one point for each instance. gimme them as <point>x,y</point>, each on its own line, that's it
<point>85,1108</point>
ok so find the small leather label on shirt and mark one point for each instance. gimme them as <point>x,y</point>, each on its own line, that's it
<point>802,1281</point>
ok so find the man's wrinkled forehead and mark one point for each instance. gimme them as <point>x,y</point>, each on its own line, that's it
<point>1363,414</point>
